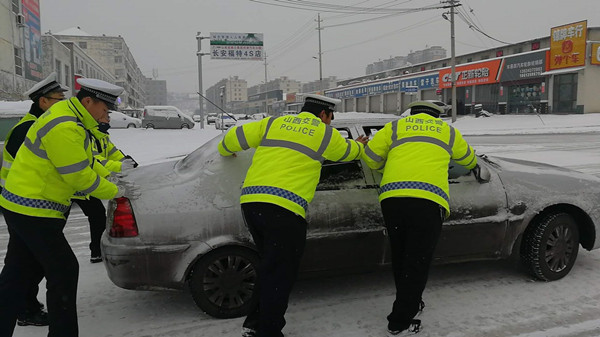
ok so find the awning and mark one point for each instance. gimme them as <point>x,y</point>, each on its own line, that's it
<point>562,71</point>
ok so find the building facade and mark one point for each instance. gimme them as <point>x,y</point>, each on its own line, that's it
<point>318,86</point>
<point>20,47</point>
<point>113,54</point>
<point>229,94</point>
<point>156,92</point>
<point>534,76</point>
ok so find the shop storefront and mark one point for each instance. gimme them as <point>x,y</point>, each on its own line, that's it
<point>523,85</point>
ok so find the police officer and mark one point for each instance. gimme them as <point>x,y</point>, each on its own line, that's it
<point>107,156</point>
<point>43,94</point>
<point>53,163</point>
<point>278,187</point>
<point>414,154</point>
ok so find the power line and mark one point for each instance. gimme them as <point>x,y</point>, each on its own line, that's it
<point>344,9</point>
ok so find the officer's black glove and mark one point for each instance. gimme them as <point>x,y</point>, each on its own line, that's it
<point>131,160</point>
<point>477,173</point>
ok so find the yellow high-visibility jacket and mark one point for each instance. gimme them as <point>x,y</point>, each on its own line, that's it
<point>7,158</point>
<point>286,167</point>
<point>106,152</point>
<point>53,163</point>
<point>414,153</point>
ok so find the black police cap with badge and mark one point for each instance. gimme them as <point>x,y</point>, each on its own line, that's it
<point>316,103</point>
<point>44,87</point>
<point>104,91</point>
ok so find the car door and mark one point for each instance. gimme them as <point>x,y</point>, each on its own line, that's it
<point>478,218</point>
<point>345,224</point>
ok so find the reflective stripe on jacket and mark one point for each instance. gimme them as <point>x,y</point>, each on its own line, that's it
<point>7,158</point>
<point>414,153</point>
<point>286,167</point>
<point>54,163</point>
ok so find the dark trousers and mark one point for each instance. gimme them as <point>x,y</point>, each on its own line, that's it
<point>280,236</point>
<point>36,242</point>
<point>413,227</point>
<point>96,214</point>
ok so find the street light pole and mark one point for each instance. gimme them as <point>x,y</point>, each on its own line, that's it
<point>265,89</point>
<point>200,89</point>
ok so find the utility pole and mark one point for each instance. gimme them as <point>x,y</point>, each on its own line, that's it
<point>200,89</point>
<point>320,54</point>
<point>452,4</point>
<point>265,88</point>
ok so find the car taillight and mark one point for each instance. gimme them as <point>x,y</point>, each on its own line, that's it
<point>123,224</point>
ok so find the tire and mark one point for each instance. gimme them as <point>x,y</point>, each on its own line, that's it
<point>550,246</point>
<point>223,282</point>
<point>131,125</point>
<point>185,126</point>
<point>149,126</point>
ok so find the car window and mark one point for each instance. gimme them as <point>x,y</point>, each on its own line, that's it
<point>345,132</point>
<point>370,131</point>
<point>339,176</point>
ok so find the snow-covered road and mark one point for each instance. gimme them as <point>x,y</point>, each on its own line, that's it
<point>496,299</point>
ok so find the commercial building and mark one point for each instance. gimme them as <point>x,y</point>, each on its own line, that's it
<point>113,54</point>
<point>553,74</point>
<point>20,47</point>
<point>228,93</point>
<point>156,92</point>
<point>319,86</point>
<point>414,57</point>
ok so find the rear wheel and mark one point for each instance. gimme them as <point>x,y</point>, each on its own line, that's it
<point>131,125</point>
<point>149,126</point>
<point>185,125</point>
<point>223,282</point>
<point>550,246</point>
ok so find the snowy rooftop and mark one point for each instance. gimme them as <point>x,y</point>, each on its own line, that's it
<point>74,31</point>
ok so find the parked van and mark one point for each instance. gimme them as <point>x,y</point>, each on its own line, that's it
<point>165,117</point>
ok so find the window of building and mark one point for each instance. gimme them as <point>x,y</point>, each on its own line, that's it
<point>565,93</point>
<point>485,57</point>
<point>67,76</point>
<point>118,45</point>
<point>83,45</point>
<point>499,53</point>
<point>118,59</point>
<point>469,59</point>
<point>18,61</point>
<point>58,69</point>
<point>119,72</point>
<point>535,45</point>
<point>518,50</point>
<point>16,6</point>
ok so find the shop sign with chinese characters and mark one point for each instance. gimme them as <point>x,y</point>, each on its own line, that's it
<point>236,46</point>
<point>520,67</point>
<point>567,45</point>
<point>595,54</point>
<point>472,74</point>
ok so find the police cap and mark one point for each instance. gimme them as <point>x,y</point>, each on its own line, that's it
<point>429,108</point>
<point>327,103</point>
<point>43,87</point>
<point>104,91</point>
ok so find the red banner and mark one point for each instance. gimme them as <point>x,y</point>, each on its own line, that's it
<point>472,74</point>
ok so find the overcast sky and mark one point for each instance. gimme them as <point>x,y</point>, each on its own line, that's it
<point>162,34</point>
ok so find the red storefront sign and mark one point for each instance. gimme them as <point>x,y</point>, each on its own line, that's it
<point>472,74</point>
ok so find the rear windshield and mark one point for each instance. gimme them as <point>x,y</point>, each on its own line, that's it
<point>200,157</point>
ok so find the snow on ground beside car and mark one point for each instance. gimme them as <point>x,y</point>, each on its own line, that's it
<point>465,300</point>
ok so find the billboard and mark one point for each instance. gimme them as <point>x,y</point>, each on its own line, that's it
<point>236,46</point>
<point>33,40</point>
<point>524,66</point>
<point>595,54</point>
<point>472,74</point>
<point>567,45</point>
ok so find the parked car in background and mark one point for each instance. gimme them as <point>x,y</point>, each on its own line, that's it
<point>224,122</point>
<point>120,120</point>
<point>211,117</point>
<point>165,117</point>
<point>259,116</point>
<point>184,227</point>
<point>447,108</point>
<point>197,118</point>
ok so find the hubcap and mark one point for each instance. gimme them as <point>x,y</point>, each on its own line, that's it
<point>229,281</point>
<point>559,248</point>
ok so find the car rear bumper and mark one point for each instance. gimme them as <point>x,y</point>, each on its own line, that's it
<point>133,266</point>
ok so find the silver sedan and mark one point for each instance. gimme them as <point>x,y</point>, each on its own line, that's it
<point>182,225</point>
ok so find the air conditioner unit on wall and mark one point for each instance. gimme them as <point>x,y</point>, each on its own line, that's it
<point>20,20</point>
